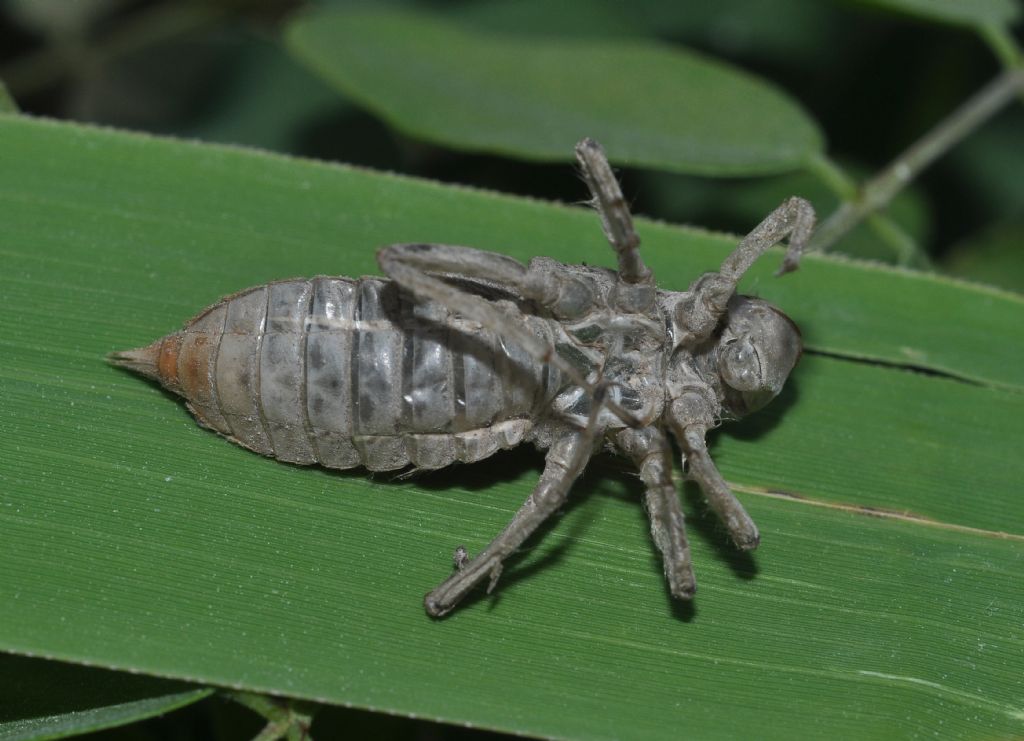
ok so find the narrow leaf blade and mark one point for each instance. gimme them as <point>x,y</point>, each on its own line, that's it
<point>48,699</point>
<point>7,104</point>
<point>883,601</point>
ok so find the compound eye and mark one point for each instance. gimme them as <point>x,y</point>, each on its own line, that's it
<point>740,365</point>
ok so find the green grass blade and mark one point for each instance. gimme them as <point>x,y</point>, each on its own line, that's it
<point>47,699</point>
<point>884,602</point>
<point>7,104</point>
<point>534,97</point>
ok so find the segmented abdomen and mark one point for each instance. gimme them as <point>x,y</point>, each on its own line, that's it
<point>349,372</point>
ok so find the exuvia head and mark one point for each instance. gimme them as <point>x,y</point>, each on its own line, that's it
<point>757,349</point>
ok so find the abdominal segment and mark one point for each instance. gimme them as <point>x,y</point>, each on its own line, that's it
<point>351,372</point>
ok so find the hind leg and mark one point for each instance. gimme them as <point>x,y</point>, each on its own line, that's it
<point>566,459</point>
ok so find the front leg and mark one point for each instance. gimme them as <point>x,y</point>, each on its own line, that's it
<point>691,416</point>
<point>709,295</point>
<point>720,498</point>
<point>650,451</point>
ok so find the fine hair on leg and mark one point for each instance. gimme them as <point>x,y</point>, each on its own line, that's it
<point>794,219</point>
<point>611,206</point>
<point>709,295</point>
<point>650,450</point>
<point>720,498</point>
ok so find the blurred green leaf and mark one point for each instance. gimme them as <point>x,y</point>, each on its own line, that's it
<point>583,18</point>
<point>7,104</point>
<point>262,71</point>
<point>48,699</point>
<point>534,97</point>
<point>972,13</point>
<point>995,256</point>
<point>884,601</point>
<point>788,32</point>
<point>988,167</point>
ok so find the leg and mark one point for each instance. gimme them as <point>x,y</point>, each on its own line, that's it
<point>405,264</point>
<point>548,282</point>
<point>615,216</point>
<point>709,294</point>
<point>566,459</point>
<point>793,219</point>
<point>650,450</point>
<point>724,503</point>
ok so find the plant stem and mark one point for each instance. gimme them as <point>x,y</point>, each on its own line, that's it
<point>1003,45</point>
<point>907,250</point>
<point>879,191</point>
<point>284,720</point>
<point>833,176</point>
<point>887,230</point>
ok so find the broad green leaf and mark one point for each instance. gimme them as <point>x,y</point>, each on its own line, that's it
<point>884,602</point>
<point>583,18</point>
<point>47,699</point>
<point>534,97</point>
<point>792,30</point>
<point>956,12</point>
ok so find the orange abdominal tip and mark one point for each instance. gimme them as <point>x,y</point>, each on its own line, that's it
<point>158,360</point>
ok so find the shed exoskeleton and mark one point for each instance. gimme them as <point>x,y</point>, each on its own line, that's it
<point>464,352</point>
